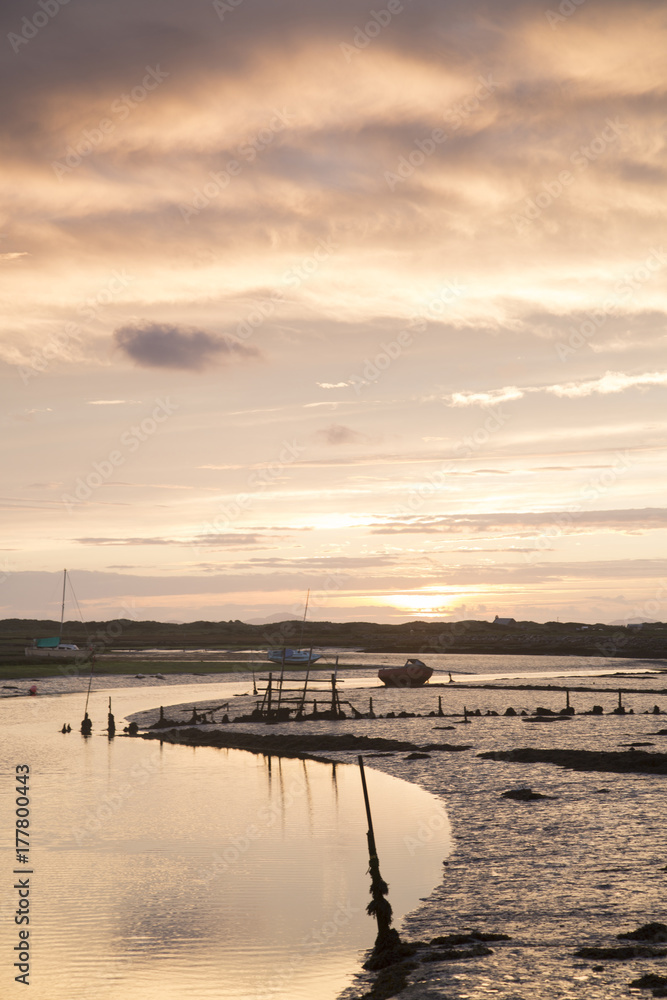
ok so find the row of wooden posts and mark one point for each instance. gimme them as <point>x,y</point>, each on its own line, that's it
<point>278,702</point>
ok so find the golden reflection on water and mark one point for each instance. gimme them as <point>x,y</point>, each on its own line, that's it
<point>161,871</point>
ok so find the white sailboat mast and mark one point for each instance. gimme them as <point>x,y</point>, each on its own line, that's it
<point>62,606</point>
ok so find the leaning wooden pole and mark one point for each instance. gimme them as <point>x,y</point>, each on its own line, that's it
<point>379,906</point>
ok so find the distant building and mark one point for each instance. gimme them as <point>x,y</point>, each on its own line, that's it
<point>504,621</point>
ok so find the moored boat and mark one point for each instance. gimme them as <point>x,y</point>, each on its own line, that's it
<point>413,674</point>
<point>292,657</point>
<point>52,647</point>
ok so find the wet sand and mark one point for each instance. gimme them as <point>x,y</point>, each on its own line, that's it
<point>569,867</point>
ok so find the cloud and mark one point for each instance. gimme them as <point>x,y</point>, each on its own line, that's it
<point>332,385</point>
<point>610,382</point>
<point>339,434</point>
<point>529,523</point>
<point>163,345</point>
<point>110,402</point>
<point>491,398</point>
<point>216,540</point>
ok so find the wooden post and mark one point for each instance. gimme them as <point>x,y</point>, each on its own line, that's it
<point>268,707</point>
<point>440,712</point>
<point>379,907</point>
<point>371,834</point>
<point>620,703</point>
<point>567,699</point>
<point>302,703</point>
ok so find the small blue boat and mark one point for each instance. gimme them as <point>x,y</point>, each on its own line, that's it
<point>292,657</point>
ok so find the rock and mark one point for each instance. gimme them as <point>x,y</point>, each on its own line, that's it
<point>524,795</point>
<point>455,954</point>
<point>650,981</point>
<point>510,711</point>
<point>471,938</point>
<point>647,932</point>
<point>623,954</point>
<point>616,761</point>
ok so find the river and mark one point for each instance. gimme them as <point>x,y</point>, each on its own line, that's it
<point>160,872</point>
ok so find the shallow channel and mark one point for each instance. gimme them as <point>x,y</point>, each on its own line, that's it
<point>165,871</point>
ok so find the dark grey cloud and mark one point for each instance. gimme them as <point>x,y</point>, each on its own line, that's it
<point>339,434</point>
<point>163,345</point>
<point>217,540</point>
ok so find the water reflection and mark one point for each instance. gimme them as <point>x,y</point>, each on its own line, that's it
<point>164,870</point>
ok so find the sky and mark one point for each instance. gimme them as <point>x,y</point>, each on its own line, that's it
<point>366,301</point>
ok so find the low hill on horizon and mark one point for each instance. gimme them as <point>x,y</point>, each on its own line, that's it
<point>648,639</point>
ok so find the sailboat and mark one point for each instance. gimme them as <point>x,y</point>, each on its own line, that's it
<point>52,647</point>
<point>294,657</point>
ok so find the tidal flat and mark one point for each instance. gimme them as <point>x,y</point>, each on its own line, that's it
<point>570,868</point>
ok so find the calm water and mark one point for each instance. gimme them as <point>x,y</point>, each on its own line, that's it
<point>480,667</point>
<point>161,872</point>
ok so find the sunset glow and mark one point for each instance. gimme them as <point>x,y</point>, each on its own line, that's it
<point>289,305</point>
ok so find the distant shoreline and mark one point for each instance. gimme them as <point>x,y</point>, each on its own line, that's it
<point>234,639</point>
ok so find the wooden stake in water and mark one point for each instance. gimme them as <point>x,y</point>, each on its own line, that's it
<point>379,907</point>
<point>111,723</point>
